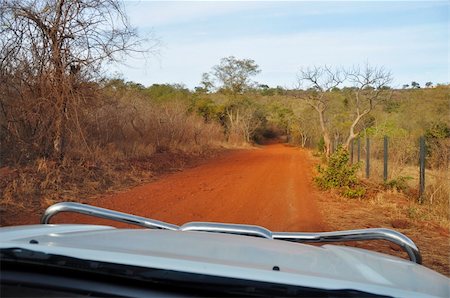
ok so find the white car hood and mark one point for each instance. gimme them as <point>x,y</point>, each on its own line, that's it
<point>329,267</point>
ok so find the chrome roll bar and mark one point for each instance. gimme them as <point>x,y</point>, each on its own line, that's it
<point>247,230</point>
<point>356,235</point>
<point>106,214</point>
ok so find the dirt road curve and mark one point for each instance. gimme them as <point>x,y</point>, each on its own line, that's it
<point>269,186</point>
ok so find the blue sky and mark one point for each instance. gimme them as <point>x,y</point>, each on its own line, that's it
<point>409,38</point>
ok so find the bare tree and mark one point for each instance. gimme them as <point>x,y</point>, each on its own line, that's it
<point>48,47</point>
<point>369,87</point>
<point>320,82</point>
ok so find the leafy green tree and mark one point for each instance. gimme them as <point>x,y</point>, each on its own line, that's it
<point>234,75</point>
<point>415,85</point>
<point>428,84</point>
<point>206,108</point>
<point>206,84</point>
<point>281,115</point>
<point>164,92</point>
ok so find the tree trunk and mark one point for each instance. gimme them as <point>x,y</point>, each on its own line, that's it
<point>325,133</point>
<point>352,135</point>
<point>59,137</point>
<point>327,141</point>
<point>304,139</point>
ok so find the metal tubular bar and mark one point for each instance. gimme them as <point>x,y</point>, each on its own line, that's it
<point>247,230</point>
<point>106,214</point>
<point>356,235</point>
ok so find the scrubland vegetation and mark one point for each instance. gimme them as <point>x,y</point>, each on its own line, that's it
<point>125,130</point>
<point>67,131</point>
<point>119,138</point>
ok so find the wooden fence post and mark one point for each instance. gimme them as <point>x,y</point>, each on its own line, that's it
<point>359,150</point>
<point>367,157</point>
<point>385,159</point>
<point>351,152</point>
<point>422,153</point>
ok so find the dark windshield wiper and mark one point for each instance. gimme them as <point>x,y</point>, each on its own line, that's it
<point>23,254</point>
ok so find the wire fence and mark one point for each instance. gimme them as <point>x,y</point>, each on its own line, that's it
<point>420,164</point>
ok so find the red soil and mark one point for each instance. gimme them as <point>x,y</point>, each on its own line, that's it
<point>270,186</point>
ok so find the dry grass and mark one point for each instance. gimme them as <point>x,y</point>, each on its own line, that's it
<point>405,179</point>
<point>45,182</point>
<point>35,187</point>
<point>426,223</point>
<point>394,210</point>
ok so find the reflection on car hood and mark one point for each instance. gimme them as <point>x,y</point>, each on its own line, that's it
<point>329,267</point>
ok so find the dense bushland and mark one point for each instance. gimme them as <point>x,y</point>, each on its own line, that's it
<point>119,136</point>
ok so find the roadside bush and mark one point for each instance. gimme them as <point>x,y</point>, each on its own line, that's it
<point>340,174</point>
<point>353,192</point>
<point>438,145</point>
<point>400,183</point>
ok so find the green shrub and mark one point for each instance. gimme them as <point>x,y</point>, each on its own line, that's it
<point>340,174</point>
<point>321,145</point>
<point>400,183</point>
<point>354,192</point>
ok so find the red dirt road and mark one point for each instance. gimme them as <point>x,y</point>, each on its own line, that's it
<point>270,186</point>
